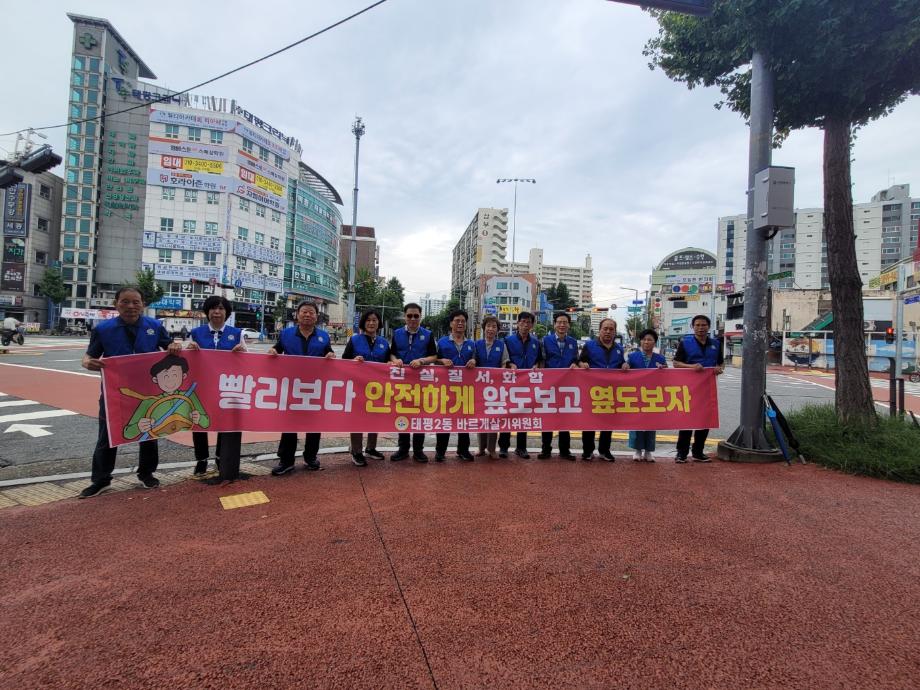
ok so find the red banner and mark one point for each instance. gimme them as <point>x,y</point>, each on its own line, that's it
<point>154,395</point>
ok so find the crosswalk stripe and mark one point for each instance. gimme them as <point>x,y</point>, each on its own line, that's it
<point>44,414</point>
<point>16,403</point>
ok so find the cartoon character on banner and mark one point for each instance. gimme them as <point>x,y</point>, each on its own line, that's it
<point>170,410</point>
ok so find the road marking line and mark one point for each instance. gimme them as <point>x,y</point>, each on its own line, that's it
<point>57,371</point>
<point>14,403</point>
<point>44,414</point>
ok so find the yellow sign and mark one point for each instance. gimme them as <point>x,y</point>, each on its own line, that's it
<point>203,166</point>
<point>269,185</point>
<point>509,309</point>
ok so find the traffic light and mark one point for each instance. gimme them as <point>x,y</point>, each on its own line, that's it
<point>889,335</point>
<point>9,177</point>
<point>40,160</point>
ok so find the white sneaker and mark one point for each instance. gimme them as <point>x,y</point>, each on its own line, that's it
<point>649,457</point>
<point>637,456</point>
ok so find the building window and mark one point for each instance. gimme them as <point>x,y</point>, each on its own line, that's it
<point>41,258</point>
<point>257,267</point>
<point>168,193</point>
<point>260,211</point>
<point>166,224</point>
<point>244,204</point>
<point>279,161</point>
<point>273,242</point>
<point>263,154</point>
<point>210,228</point>
<point>188,226</point>
<point>188,258</point>
<point>217,137</point>
<point>213,198</point>
<point>191,195</point>
<point>210,258</point>
<point>241,263</point>
<point>194,133</point>
<point>43,224</point>
<point>260,239</point>
<point>44,191</point>
<point>247,145</point>
<point>273,271</point>
<point>172,132</point>
<point>242,233</point>
<point>276,217</point>
<point>165,256</point>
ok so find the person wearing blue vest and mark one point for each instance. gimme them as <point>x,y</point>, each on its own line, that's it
<point>643,442</point>
<point>560,351</point>
<point>698,351</point>
<point>601,353</point>
<point>366,346</point>
<point>302,340</point>
<point>129,333</point>
<point>217,335</point>
<point>455,350</point>
<point>412,346</point>
<point>491,353</point>
<point>524,352</point>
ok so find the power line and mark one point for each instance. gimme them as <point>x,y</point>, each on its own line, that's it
<point>170,96</point>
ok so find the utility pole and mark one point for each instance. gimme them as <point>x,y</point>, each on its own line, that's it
<point>515,180</point>
<point>358,130</point>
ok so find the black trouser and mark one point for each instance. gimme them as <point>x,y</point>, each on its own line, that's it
<point>288,446</point>
<point>104,454</point>
<point>357,442</point>
<point>699,441</point>
<point>603,446</point>
<point>463,443</point>
<point>200,442</point>
<point>565,442</point>
<point>504,441</point>
<point>418,443</point>
<point>227,451</point>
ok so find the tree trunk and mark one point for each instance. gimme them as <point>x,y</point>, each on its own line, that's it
<point>853,394</point>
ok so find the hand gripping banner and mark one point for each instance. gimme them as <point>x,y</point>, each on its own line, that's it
<point>154,395</point>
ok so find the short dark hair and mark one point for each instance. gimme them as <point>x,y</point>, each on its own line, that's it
<point>215,301</point>
<point>701,316</point>
<point>648,331</point>
<point>412,305</point>
<point>168,362</point>
<point>526,315</point>
<point>607,318</point>
<point>128,288</point>
<point>306,303</point>
<point>458,312</point>
<point>366,315</point>
<point>561,313</point>
<point>488,318</point>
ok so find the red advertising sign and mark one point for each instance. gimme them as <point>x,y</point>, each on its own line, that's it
<point>154,395</point>
<point>171,162</point>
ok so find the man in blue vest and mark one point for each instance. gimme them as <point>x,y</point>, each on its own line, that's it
<point>455,350</point>
<point>560,351</point>
<point>129,333</point>
<point>524,352</point>
<point>412,346</point>
<point>302,340</point>
<point>602,352</point>
<point>698,351</point>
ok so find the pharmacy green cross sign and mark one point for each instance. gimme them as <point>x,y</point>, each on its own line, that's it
<point>701,7</point>
<point>88,41</point>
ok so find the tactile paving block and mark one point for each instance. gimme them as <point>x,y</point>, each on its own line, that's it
<point>253,498</point>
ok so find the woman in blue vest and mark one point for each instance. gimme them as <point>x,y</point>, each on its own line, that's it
<point>698,351</point>
<point>491,353</point>
<point>643,442</point>
<point>302,340</point>
<point>128,333</point>
<point>412,346</point>
<point>367,346</point>
<point>217,335</point>
<point>603,352</point>
<point>560,351</point>
<point>524,352</point>
<point>455,350</point>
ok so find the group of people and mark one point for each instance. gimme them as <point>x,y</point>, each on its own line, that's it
<point>412,346</point>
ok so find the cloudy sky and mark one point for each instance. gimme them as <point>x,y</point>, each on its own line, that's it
<point>456,93</point>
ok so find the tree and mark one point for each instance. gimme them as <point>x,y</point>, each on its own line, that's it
<point>837,65</point>
<point>584,324</point>
<point>147,285</point>
<point>437,323</point>
<point>280,312</point>
<point>634,324</point>
<point>559,297</point>
<point>52,286</point>
<point>392,297</point>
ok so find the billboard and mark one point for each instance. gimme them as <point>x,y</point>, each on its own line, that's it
<point>16,210</point>
<point>13,277</point>
<point>192,164</point>
<point>169,147</point>
<point>688,259</point>
<point>14,250</point>
<point>190,180</point>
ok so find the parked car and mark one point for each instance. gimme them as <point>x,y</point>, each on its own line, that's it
<point>250,334</point>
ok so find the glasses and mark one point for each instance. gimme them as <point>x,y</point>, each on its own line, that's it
<point>413,316</point>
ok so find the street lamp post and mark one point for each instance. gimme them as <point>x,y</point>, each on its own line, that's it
<point>515,180</point>
<point>358,130</point>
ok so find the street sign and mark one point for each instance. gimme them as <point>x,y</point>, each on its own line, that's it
<point>634,310</point>
<point>237,283</point>
<point>639,302</point>
<point>912,299</point>
<point>700,7</point>
<point>779,276</point>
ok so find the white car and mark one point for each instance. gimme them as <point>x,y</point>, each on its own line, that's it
<point>251,335</point>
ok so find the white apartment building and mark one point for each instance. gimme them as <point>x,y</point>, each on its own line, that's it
<point>480,251</point>
<point>578,279</point>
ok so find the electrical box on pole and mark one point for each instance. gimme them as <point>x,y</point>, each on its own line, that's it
<point>774,192</point>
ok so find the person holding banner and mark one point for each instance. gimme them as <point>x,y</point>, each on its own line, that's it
<point>491,353</point>
<point>560,351</point>
<point>524,352</point>
<point>456,350</point>
<point>302,340</point>
<point>602,352</point>
<point>697,351</point>
<point>366,346</point>
<point>128,333</point>
<point>217,335</point>
<point>413,346</point>
<point>643,442</point>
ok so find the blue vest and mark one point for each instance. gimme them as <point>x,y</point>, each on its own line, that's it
<point>707,355</point>
<point>294,344</point>
<point>448,349</point>
<point>115,341</point>
<point>637,360</point>
<point>489,358</point>
<point>361,347</point>
<point>230,337</point>
<point>599,358</point>
<point>556,359</point>
<point>419,346</point>
<point>523,356</point>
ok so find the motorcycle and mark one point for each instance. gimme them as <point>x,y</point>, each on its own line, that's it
<point>8,336</point>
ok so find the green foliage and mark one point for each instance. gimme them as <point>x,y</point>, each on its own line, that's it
<point>150,290</point>
<point>583,323</point>
<point>437,323</point>
<point>888,448</point>
<point>280,312</point>
<point>559,297</point>
<point>52,286</point>
<point>540,329</point>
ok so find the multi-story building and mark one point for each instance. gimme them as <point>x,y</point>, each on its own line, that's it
<point>578,279</point>
<point>505,296</point>
<point>431,305</point>
<point>367,252</point>
<point>200,190</point>
<point>886,232</point>
<point>682,286</point>
<point>480,251</point>
<point>31,240</point>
